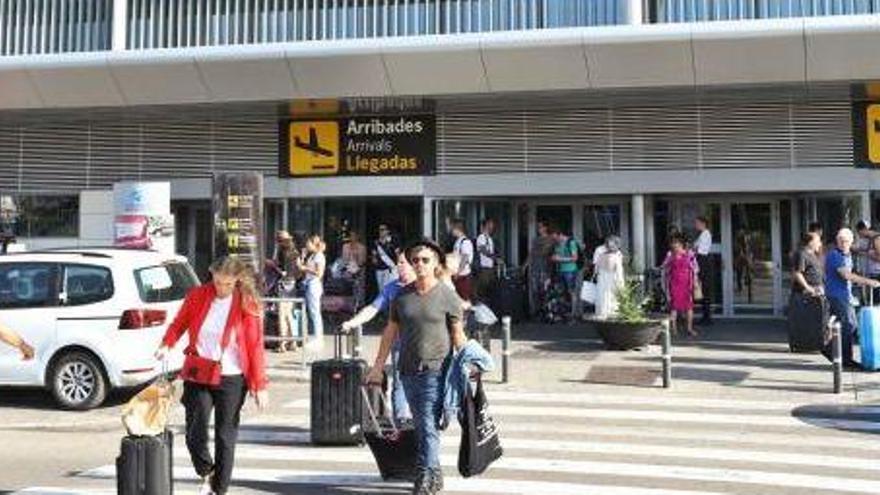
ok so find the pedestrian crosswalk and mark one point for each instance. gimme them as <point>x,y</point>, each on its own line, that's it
<point>566,444</point>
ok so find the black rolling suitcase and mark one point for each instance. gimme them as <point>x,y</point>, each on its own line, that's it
<point>511,296</point>
<point>145,465</point>
<point>807,323</point>
<point>393,447</point>
<point>337,411</point>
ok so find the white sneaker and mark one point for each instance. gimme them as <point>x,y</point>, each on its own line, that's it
<point>206,489</point>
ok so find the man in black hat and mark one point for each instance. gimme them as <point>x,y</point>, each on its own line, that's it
<point>428,317</point>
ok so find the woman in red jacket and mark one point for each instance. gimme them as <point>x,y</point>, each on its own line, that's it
<point>225,359</point>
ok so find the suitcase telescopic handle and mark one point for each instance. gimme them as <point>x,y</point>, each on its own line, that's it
<point>372,412</point>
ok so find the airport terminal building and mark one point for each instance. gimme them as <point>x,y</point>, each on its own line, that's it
<point>604,116</point>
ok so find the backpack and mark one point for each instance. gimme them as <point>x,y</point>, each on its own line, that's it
<point>581,251</point>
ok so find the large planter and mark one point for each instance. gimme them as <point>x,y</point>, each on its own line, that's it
<point>622,336</point>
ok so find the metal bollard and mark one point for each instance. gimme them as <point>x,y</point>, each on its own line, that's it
<point>505,349</point>
<point>667,355</point>
<point>837,356</point>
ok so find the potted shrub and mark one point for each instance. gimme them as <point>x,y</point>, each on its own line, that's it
<point>631,326</point>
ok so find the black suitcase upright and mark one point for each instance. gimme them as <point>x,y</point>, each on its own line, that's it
<point>807,323</point>
<point>511,300</point>
<point>336,407</point>
<point>145,465</point>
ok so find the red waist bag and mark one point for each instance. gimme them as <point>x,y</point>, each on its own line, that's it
<point>201,370</point>
<point>204,371</point>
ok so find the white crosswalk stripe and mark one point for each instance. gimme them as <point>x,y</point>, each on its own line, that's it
<point>560,444</point>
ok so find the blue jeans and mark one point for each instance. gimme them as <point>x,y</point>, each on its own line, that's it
<point>314,291</point>
<point>398,396</point>
<point>423,391</point>
<point>846,314</point>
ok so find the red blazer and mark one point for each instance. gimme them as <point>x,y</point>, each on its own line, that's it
<point>249,331</point>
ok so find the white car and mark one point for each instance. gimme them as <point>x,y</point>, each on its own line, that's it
<point>94,317</point>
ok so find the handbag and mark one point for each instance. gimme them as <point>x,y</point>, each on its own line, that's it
<point>147,412</point>
<point>201,370</point>
<point>590,291</point>
<point>698,288</point>
<point>480,446</point>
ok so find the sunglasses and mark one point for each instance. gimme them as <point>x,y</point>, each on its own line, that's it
<point>421,259</point>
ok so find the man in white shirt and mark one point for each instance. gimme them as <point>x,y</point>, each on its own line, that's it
<point>486,279</point>
<point>464,248</point>
<point>703,248</point>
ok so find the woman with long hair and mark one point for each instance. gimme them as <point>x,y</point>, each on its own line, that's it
<point>608,263</point>
<point>313,267</point>
<point>224,361</point>
<point>354,262</point>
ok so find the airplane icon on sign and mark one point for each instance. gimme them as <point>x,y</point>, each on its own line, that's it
<point>313,145</point>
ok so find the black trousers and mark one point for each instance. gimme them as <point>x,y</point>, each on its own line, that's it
<point>707,278</point>
<point>226,402</point>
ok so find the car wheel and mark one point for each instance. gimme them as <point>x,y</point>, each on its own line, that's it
<point>78,381</point>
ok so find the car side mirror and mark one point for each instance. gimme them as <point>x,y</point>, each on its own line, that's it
<point>62,298</point>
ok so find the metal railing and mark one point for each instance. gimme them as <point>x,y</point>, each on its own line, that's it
<point>668,11</point>
<point>285,306</point>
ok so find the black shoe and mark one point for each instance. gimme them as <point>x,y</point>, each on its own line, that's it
<point>435,483</point>
<point>422,485</point>
<point>852,366</point>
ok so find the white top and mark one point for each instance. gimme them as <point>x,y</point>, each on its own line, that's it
<point>211,333</point>
<point>598,252</point>
<point>314,261</point>
<point>486,244</point>
<point>465,250</point>
<point>704,243</point>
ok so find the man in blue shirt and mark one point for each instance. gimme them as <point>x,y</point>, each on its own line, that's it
<point>839,278</point>
<point>406,276</point>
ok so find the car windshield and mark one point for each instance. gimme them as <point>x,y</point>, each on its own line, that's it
<point>165,283</point>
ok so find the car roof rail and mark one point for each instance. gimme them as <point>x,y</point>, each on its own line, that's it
<point>90,254</point>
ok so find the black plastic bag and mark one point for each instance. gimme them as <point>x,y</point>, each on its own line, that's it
<point>480,446</point>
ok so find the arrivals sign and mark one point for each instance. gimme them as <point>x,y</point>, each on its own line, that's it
<point>866,134</point>
<point>358,146</point>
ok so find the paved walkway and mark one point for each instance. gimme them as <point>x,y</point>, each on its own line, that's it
<point>742,359</point>
<point>744,416</point>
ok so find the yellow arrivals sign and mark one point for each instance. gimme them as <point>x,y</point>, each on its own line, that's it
<point>866,134</point>
<point>872,131</point>
<point>314,148</point>
<point>358,146</point>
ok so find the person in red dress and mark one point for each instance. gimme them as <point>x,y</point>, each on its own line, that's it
<point>679,268</point>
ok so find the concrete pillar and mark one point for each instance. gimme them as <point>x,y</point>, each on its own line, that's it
<point>865,198</point>
<point>635,13</point>
<point>650,234</point>
<point>428,217</point>
<point>513,252</point>
<point>638,228</point>
<point>120,25</point>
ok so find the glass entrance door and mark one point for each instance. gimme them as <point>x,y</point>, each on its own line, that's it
<point>756,256</point>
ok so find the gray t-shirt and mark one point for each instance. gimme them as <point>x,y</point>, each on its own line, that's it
<point>424,322</point>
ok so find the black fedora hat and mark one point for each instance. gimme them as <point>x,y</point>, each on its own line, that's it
<point>426,244</point>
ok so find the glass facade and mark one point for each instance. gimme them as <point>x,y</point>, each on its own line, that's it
<point>41,215</point>
<point>55,26</point>
<point>164,24</point>
<point>663,11</point>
